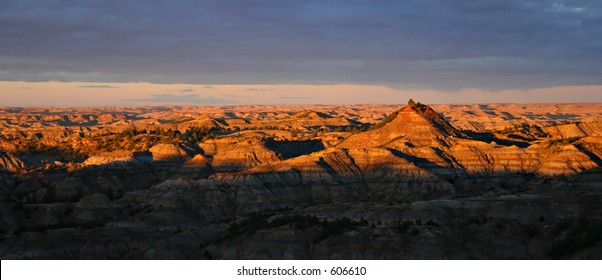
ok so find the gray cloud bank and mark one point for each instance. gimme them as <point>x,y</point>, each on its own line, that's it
<point>97,86</point>
<point>422,43</point>
<point>166,98</point>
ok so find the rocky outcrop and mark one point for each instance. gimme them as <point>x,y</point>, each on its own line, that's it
<point>566,160</point>
<point>416,125</point>
<point>70,189</point>
<point>426,139</point>
<point>228,155</point>
<point>101,160</point>
<point>576,129</point>
<point>339,175</point>
<point>94,201</point>
<point>10,162</point>
<point>168,152</point>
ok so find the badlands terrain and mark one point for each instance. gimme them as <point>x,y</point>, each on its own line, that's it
<point>398,181</point>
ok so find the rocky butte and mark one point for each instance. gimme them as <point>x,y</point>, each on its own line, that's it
<point>492,181</point>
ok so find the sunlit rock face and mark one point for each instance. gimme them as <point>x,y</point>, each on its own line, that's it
<point>495,181</point>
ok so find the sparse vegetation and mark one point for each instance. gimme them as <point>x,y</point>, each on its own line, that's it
<point>335,227</point>
<point>404,226</point>
<point>583,236</point>
<point>387,120</point>
<point>531,230</point>
<point>259,221</point>
<point>415,105</point>
<point>478,221</point>
<point>564,141</point>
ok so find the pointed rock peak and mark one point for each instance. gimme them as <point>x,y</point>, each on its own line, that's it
<point>417,108</point>
<point>417,123</point>
<point>408,109</point>
<point>415,114</point>
<point>423,118</point>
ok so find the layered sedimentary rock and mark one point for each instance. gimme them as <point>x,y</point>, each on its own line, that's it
<point>10,162</point>
<point>417,125</point>
<point>168,152</point>
<point>414,186</point>
<point>229,155</point>
<point>103,160</point>
<point>423,136</point>
<point>578,129</point>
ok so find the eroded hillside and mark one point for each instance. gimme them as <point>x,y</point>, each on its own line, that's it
<point>329,181</point>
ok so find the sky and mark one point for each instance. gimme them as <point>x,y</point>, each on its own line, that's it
<point>86,53</point>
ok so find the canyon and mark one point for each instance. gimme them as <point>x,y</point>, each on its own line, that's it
<point>365,181</point>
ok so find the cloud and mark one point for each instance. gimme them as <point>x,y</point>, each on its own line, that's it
<point>97,86</point>
<point>494,44</point>
<point>258,89</point>
<point>296,97</point>
<point>166,98</point>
